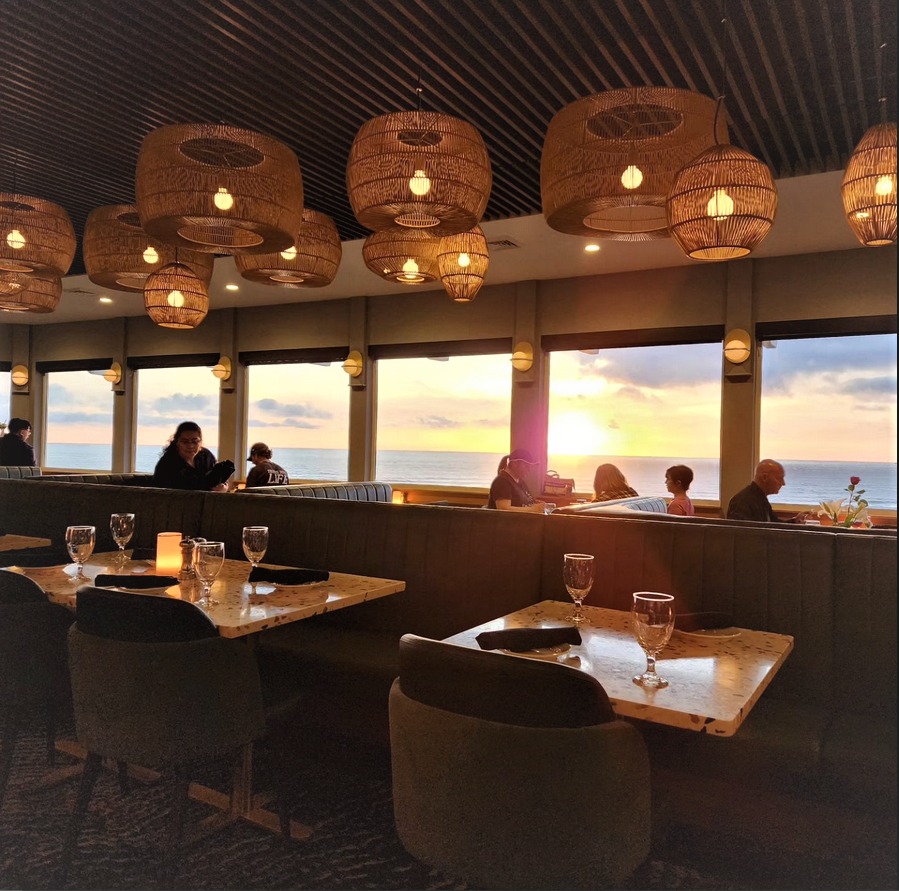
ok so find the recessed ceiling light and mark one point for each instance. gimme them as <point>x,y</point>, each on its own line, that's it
<point>591,248</point>
<point>232,287</point>
<point>106,300</point>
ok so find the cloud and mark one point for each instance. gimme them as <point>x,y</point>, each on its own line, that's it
<point>438,422</point>
<point>55,416</point>
<point>183,403</point>
<point>300,409</point>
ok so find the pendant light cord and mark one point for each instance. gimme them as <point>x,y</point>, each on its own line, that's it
<point>723,91</point>
<point>882,99</point>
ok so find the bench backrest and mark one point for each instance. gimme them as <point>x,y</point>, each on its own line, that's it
<point>368,491</point>
<point>649,503</point>
<point>18,473</point>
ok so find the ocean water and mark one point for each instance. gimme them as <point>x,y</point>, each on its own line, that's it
<point>808,482</point>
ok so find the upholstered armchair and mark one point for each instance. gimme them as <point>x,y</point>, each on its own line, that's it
<point>511,772</point>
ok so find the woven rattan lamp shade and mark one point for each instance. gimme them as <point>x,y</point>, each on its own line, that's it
<point>118,254</point>
<point>640,136</point>
<point>462,261</point>
<point>218,189</point>
<point>407,256</point>
<point>40,294</point>
<point>722,204</point>
<point>35,235</point>
<point>421,170</point>
<point>310,262</point>
<point>13,282</point>
<point>175,298</point>
<point>869,187</point>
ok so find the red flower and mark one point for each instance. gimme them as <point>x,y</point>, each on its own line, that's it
<point>855,480</point>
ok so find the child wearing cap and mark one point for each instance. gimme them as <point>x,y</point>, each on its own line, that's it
<point>265,472</point>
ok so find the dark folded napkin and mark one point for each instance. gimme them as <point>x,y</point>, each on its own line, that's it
<point>702,621</point>
<point>521,639</point>
<point>143,554</point>
<point>135,581</point>
<point>288,576</point>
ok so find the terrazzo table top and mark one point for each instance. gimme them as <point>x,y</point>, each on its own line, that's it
<point>242,609</point>
<point>21,542</point>
<point>713,681</point>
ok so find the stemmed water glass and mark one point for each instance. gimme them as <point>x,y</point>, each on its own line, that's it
<point>209,557</point>
<point>80,542</point>
<point>122,528</point>
<point>255,543</point>
<point>652,621</point>
<point>577,573</point>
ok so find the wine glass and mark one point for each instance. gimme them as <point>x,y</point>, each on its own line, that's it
<point>255,543</point>
<point>80,542</point>
<point>209,557</point>
<point>652,620</point>
<point>577,573</point>
<point>122,528</point>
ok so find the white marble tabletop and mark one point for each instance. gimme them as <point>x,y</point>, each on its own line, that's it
<point>713,682</point>
<point>241,609</point>
<point>11,542</point>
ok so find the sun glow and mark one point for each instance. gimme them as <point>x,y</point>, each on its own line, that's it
<point>577,433</point>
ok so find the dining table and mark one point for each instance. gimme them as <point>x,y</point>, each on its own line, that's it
<point>12,542</point>
<point>242,611</point>
<point>715,677</point>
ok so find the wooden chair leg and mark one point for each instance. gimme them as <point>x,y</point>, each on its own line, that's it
<point>7,748</point>
<point>179,800</point>
<point>92,767</point>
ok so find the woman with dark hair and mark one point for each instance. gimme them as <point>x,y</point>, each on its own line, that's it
<point>677,481</point>
<point>186,464</point>
<point>609,484</point>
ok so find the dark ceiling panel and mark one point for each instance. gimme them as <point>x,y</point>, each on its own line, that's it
<point>82,83</point>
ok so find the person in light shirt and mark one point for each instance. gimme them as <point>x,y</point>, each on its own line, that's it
<point>677,480</point>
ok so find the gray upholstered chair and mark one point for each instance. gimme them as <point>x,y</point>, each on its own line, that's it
<point>153,684</point>
<point>513,772</point>
<point>34,674</point>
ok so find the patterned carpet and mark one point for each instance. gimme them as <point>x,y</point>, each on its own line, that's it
<point>354,844</point>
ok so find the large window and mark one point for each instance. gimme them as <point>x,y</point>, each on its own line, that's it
<point>640,408</point>
<point>828,412</point>
<point>165,398</point>
<point>78,435</point>
<point>443,422</point>
<point>302,412</point>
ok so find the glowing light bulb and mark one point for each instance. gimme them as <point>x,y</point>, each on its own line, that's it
<point>176,299</point>
<point>591,248</point>
<point>632,177</point>
<point>16,240</point>
<point>410,270</point>
<point>419,184</point>
<point>720,205</point>
<point>464,260</point>
<point>150,255</point>
<point>223,199</point>
<point>290,253</point>
<point>886,185</point>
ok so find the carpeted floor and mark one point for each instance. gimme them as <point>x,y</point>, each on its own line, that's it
<point>354,844</point>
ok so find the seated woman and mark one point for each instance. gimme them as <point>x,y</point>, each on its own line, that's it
<point>677,481</point>
<point>609,483</point>
<point>186,464</point>
<point>509,491</point>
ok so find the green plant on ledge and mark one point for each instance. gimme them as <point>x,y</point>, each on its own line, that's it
<point>847,512</point>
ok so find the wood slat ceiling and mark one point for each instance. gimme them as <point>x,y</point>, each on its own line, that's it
<point>82,83</point>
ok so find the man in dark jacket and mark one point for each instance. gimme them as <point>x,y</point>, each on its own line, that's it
<point>752,502</point>
<point>15,450</point>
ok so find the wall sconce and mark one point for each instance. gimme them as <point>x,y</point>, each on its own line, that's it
<point>222,368</point>
<point>522,357</point>
<point>19,376</point>
<point>113,374</point>
<point>353,365</point>
<point>737,346</point>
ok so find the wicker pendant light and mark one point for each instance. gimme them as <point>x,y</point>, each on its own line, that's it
<point>869,187</point>
<point>406,256</point>
<point>310,262</point>
<point>35,235</point>
<point>722,204</point>
<point>462,261</point>
<point>12,282</point>
<point>218,189</point>
<point>175,298</point>
<point>420,170</point>
<point>608,159</point>
<point>118,254</point>
<point>40,293</point>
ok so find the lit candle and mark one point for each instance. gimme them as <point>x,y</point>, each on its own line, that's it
<point>168,553</point>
